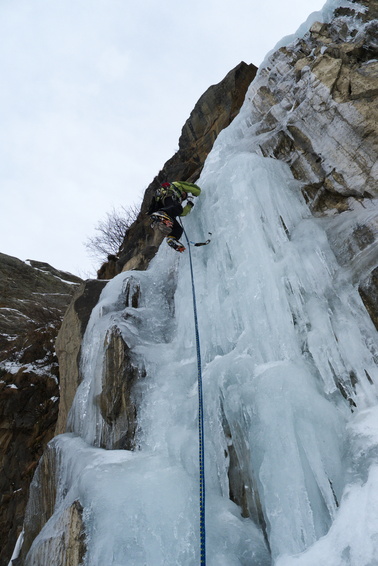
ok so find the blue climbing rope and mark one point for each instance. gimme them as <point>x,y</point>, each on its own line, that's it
<point>200,418</point>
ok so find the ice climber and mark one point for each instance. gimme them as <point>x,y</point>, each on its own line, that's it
<point>171,200</point>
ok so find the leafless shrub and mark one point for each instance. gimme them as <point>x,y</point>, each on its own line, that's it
<point>111,232</point>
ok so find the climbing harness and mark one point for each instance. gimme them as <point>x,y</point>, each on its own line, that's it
<point>200,418</point>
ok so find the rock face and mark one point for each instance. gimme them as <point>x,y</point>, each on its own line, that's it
<point>33,299</point>
<point>325,127</point>
<point>213,112</point>
<point>68,344</point>
<point>116,403</point>
<point>70,544</point>
<point>315,107</point>
<point>118,408</point>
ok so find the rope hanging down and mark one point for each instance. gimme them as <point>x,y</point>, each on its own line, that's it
<point>200,418</point>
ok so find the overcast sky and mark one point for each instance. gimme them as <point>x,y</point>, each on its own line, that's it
<point>93,98</point>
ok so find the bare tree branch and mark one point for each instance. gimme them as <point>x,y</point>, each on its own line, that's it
<point>111,232</point>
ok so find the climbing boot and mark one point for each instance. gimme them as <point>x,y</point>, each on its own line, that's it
<point>162,222</point>
<point>175,244</point>
<point>163,218</point>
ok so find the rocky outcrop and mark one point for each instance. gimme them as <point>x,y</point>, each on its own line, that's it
<point>369,293</point>
<point>315,107</point>
<point>117,403</point>
<point>316,110</point>
<point>213,112</point>
<point>33,299</point>
<point>68,344</point>
<point>69,545</point>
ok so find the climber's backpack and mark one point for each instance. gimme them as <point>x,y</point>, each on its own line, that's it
<point>163,192</point>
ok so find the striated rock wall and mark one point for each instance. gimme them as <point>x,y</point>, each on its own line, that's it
<point>68,345</point>
<point>213,112</point>
<point>69,545</point>
<point>315,106</point>
<point>33,299</point>
<point>117,404</point>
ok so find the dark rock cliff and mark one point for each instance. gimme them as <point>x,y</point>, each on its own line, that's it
<point>213,112</point>
<point>33,299</point>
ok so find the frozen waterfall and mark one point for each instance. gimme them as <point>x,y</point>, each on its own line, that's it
<point>287,353</point>
<point>289,377</point>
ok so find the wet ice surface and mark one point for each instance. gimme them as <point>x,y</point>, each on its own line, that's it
<point>288,351</point>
